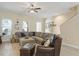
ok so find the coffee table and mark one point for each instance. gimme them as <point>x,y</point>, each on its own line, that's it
<point>27,50</point>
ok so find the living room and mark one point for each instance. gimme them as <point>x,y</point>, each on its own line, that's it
<point>24,22</point>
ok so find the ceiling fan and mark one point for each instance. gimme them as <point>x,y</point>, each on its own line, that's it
<point>32,8</point>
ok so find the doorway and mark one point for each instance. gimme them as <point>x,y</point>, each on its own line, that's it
<point>6,29</point>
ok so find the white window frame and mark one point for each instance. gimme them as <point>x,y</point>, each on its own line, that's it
<point>25,25</point>
<point>38,26</point>
<point>47,27</point>
<point>5,20</point>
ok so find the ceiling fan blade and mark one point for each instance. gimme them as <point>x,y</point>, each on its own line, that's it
<point>37,8</point>
<point>36,11</point>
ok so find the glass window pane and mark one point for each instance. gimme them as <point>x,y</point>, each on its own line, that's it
<point>6,26</point>
<point>24,26</point>
<point>38,27</point>
<point>47,27</point>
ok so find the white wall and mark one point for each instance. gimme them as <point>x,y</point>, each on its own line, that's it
<point>13,16</point>
<point>62,18</point>
<point>70,31</point>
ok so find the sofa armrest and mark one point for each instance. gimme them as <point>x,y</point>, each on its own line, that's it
<point>44,51</point>
<point>57,45</point>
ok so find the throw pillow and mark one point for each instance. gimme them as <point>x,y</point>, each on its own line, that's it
<point>51,38</point>
<point>43,51</point>
<point>47,43</point>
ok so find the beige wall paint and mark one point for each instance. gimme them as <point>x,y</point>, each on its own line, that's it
<point>62,18</point>
<point>32,20</point>
<point>13,16</point>
<point>70,31</point>
<point>43,24</point>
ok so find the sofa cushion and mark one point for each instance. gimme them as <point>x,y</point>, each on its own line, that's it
<point>47,43</point>
<point>45,36</point>
<point>38,40</point>
<point>48,36</point>
<point>30,40</point>
<point>31,33</point>
<point>23,34</point>
<point>39,34</point>
<point>18,34</point>
<point>27,33</point>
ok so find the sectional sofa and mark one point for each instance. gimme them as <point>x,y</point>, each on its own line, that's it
<point>45,44</point>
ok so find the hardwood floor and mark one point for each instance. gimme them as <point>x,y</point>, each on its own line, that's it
<point>12,49</point>
<point>68,51</point>
<point>9,49</point>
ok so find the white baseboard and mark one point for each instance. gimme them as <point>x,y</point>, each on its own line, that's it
<point>70,45</point>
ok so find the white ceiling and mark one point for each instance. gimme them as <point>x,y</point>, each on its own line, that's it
<point>48,8</point>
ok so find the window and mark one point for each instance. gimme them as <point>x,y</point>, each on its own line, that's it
<point>47,27</point>
<point>38,27</point>
<point>6,26</point>
<point>24,26</point>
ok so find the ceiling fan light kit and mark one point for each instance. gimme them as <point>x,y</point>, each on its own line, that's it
<point>34,9</point>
